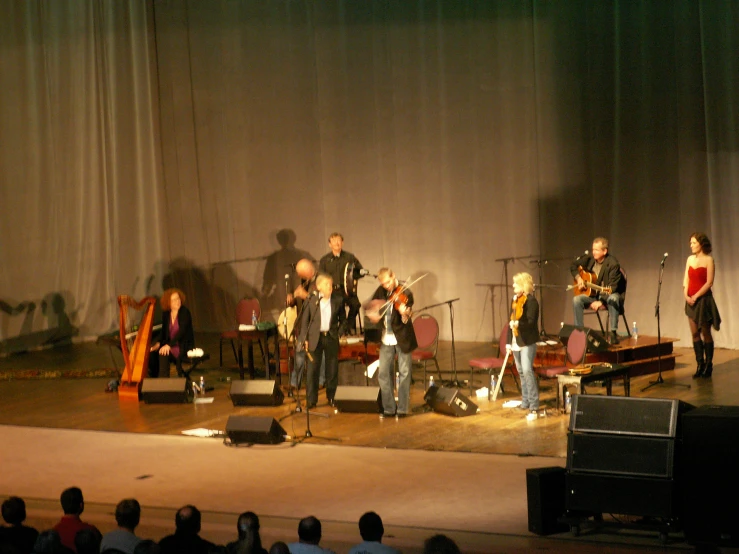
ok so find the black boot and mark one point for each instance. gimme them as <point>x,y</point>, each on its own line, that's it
<point>698,348</point>
<point>708,346</point>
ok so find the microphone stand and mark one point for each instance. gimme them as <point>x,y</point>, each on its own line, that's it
<point>290,368</point>
<point>454,382</point>
<point>660,380</point>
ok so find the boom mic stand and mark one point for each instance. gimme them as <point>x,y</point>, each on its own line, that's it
<point>659,380</point>
<point>288,336</point>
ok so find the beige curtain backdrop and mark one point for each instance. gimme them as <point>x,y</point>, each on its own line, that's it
<point>209,145</point>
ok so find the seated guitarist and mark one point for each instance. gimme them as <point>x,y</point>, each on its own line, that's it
<point>602,269</point>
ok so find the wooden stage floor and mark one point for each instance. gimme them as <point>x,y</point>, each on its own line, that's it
<point>65,388</point>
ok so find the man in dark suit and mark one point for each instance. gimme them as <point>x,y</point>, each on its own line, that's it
<point>398,337</point>
<point>319,335</point>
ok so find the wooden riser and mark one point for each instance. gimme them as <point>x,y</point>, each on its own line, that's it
<point>644,355</point>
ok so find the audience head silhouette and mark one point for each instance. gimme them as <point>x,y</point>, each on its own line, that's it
<point>309,530</point>
<point>87,541</point>
<point>371,528</point>
<point>440,544</point>
<point>14,510</point>
<point>128,513</point>
<point>72,501</point>
<point>187,520</point>
<point>279,548</point>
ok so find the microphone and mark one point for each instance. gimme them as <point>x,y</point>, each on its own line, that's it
<point>582,255</point>
<point>364,272</point>
<point>662,263</point>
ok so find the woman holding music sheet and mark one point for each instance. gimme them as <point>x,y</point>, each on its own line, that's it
<point>177,336</point>
<point>522,340</point>
<point>700,307</point>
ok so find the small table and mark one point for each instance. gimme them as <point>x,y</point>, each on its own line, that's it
<point>600,372</point>
<point>262,337</point>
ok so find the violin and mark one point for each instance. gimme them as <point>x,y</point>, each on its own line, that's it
<point>398,297</point>
<point>517,310</point>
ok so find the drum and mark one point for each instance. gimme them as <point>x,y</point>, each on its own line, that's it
<point>350,283</point>
<point>290,314</point>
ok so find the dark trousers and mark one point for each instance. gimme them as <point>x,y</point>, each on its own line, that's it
<point>348,322</point>
<point>327,346</point>
<point>164,361</point>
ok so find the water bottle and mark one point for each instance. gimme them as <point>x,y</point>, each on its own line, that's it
<point>492,383</point>
<point>568,401</point>
<point>254,318</point>
<point>634,331</point>
<point>431,381</point>
<point>202,385</point>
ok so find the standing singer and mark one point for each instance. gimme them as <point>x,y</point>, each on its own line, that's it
<point>319,334</point>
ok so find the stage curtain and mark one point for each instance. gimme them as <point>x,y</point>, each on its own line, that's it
<point>210,145</point>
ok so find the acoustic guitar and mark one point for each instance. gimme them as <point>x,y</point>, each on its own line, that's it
<point>588,288</point>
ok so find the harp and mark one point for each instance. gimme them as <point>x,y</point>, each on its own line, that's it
<point>136,324</point>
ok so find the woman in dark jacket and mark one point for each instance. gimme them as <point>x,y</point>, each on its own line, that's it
<point>177,337</point>
<point>523,337</point>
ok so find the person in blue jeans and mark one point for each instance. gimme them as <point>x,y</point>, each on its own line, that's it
<point>398,338</point>
<point>522,339</point>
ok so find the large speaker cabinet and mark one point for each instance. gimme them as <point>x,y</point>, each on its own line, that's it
<point>710,436</point>
<point>622,455</point>
<point>545,492</point>
<point>358,399</point>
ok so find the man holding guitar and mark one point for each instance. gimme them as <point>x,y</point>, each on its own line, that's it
<point>598,281</point>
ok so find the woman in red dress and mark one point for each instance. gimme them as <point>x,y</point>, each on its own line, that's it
<point>700,306</point>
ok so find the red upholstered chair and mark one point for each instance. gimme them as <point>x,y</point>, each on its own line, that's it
<point>427,336</point>
<point>244,309</point>
<point>577,349</point>
<point>488,365</point>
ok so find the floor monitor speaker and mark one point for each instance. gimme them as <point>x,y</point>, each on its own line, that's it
<point>545,491</point>
<point>358,399</point>
<point>254,430</point>
<point>595,340</point>
<point>449,401</point>
<point>173,390</point>
<point>710,435</point>
<point>256,393</point>
<point>626,415</point>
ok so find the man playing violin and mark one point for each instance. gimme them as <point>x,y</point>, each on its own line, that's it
<point>398,337</point>
<point>604,271</point>
<point>334,263</point>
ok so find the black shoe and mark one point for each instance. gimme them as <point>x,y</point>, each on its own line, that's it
<point>699,371</point>
<point>613,338</point>
<point>383,415</point>
<point>311,406</point>
<point>401,415</point>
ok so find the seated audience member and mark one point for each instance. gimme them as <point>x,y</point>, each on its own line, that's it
<point>440,544</point>
<point>186,539</point>
<point>127,516</point>
<point>309,535</point>
<point>249,541</point>
<point>73,504</point>
<point>19,536</point>
<point>49,542</point>
<point>87,541</point>
<point>147,546</point>
<point>279,548</point>
<point>372,530</point>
